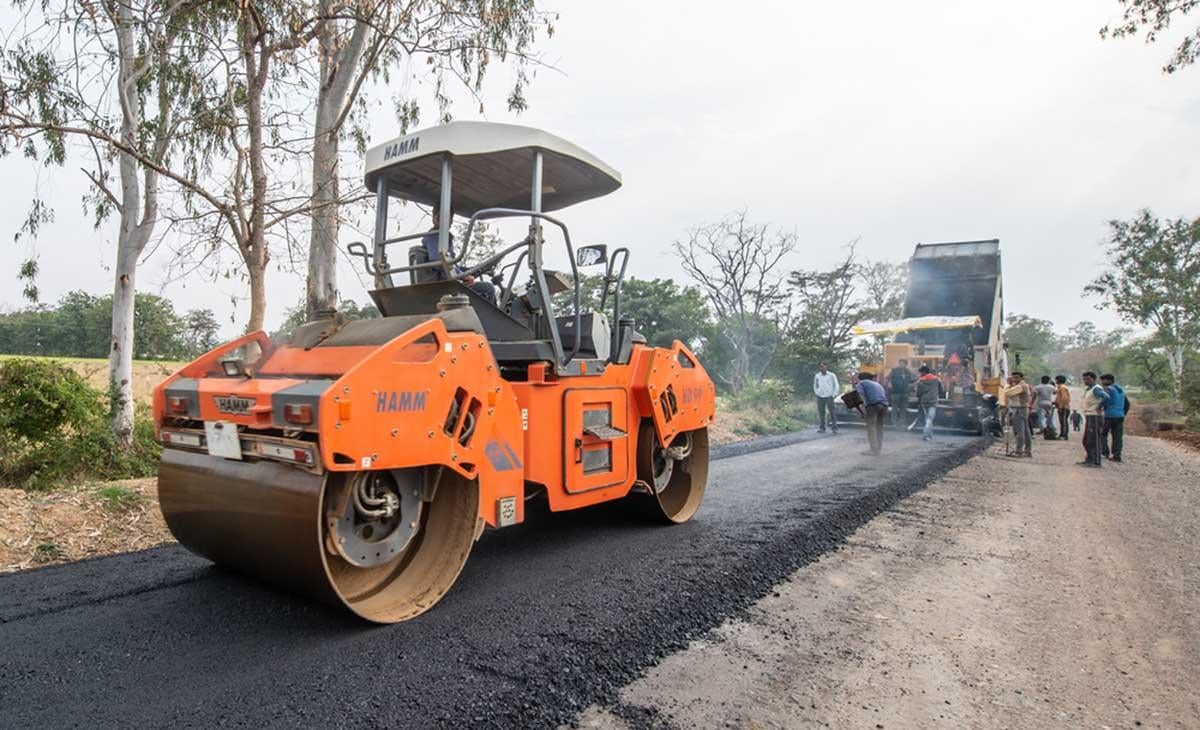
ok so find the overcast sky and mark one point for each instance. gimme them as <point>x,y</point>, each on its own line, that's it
<point>894,123</point>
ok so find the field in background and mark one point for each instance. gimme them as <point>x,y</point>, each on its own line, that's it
<point>146,373</point>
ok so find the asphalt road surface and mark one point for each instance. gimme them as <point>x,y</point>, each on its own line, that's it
<point>548,617</point>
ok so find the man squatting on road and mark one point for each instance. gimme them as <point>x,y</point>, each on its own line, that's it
<point>929,390</point>
<point>1019,396</point>
<point>825,387</point>
<point>1114,419</point>
<point>875,409</point>
<point>1095,400</point>
<point>1062,401</point>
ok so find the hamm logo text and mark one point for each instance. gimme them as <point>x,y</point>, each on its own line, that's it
<point>400,400</point>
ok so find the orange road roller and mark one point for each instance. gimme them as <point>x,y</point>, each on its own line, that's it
<point>358,461</point>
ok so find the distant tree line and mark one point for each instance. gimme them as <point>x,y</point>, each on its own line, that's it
<point>79,325</point>
<point>1135,360</point>
<point>756,318</point>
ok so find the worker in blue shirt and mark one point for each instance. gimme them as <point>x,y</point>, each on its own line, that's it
<point>1113,428</point>
<point>875,409</point>
<point>430,242</point>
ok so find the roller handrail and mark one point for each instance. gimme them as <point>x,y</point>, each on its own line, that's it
<point>490,213</point>
<point>623,252</point>
<point>448,263</point>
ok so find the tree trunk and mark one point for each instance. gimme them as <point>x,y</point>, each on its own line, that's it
<point>131,238</point>
<point>340,79</point>
<point>254,249</point>
<point>258,295</point>
<point>120,355</point>
<point>321,292</point>
<point>1174,355</point>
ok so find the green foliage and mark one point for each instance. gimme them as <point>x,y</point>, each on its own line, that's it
<point>665,312</point>
<point>117,498</point>
<point>1152,18</point>
<point>770,407</point>
<point>46,552</point>
<point>200,331</point>
<point>1032,337</point>
<point>1141,365</point>
<point>80,325</point>
<point>41,396</point>
<point>54,427</point>
<point>1153,280</point>
<point>1189,398</point>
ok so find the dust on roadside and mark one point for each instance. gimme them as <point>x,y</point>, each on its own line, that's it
<point>1010,593</point>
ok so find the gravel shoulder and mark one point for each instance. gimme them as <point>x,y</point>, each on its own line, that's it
<point>1009,593</point>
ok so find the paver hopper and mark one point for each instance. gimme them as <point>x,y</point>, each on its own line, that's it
<point>358,462</point>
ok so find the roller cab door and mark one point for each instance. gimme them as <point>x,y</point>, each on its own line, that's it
<point>597,440</point>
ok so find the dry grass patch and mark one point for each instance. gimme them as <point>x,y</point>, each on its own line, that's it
<point>44,528</point>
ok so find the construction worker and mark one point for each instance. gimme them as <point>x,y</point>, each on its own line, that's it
<point>1019,396</point>
<point>929,390</point>
<point>1095,398</point>
<point>825,388</point>
<point>899,381</point>
<point>875,408</point>
<point>1062,402</point>
<point>430,242</point>
<point>1045,403</point>
<point>1114,419</point>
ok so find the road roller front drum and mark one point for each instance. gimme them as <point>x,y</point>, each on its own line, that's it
<point>388,591</point>
<point>371,517</point>
<point>283,525</point>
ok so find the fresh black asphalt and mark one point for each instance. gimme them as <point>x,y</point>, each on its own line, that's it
<point>548,617</point>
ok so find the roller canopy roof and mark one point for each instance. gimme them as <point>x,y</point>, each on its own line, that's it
<point>493,167</point>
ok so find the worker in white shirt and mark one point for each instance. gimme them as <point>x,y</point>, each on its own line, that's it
<point>825,387</point>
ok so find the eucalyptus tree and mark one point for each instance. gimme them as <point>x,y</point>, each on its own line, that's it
<point>454,41</point>
<point>1152,279</point>
<point>108,84</point>
<point>1152,18</point>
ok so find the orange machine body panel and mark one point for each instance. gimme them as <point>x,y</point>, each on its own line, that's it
<point>431,397</point>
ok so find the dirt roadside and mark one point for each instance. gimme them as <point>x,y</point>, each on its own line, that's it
<point>1011,593</point>
<point>44,528</point>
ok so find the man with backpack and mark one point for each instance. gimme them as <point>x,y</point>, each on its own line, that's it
<point>1112,432</point>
